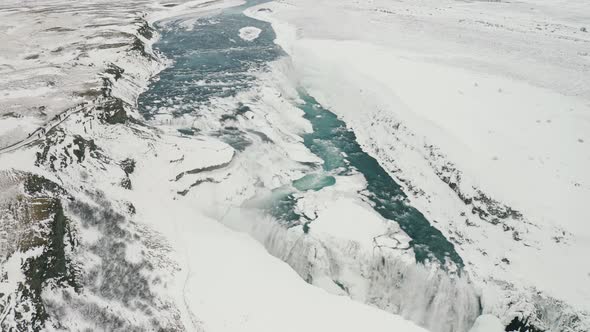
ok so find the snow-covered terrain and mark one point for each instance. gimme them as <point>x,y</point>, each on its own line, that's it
<point>209,186</point>
<point>482,110</point>
<point>95,234</point>
<point>57,54</point>
<point>249,33</point>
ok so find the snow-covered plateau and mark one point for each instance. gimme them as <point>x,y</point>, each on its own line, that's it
<point>302,165</point>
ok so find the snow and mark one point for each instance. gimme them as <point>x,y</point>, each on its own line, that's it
<point>11,127</point>
<point>225,280</point>
<point>487,323</point>
<point>54,52</point>
<point>249,33</point>
<point>203,275</point>
<point>347,221</point>
<point>230,282</point>
<point>342,217</point>
<point>495,90</point>
<point>500,90</point>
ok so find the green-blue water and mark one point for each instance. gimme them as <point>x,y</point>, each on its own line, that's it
<point>332,141</point>
<point>314,181</point>
<point>211,61</point>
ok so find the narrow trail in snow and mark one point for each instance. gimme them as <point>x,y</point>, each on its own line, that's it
<point>43,130</point>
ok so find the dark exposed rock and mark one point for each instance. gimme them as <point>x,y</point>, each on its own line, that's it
<point>52,138</point>
<point>36,185</point>
<point>518,325</point>
<point>202,169</point>
<point>306,228</point>
<point>146,31</point>
<point>128,166</point>
<point>84,147</point>
<point>139,46</point>
<point>40,224</point>
<point>196,183</point>
<point>59,29</point>
<point>115,70</point>
<point>242,109</point>
<point>56,153</point>
<point>131,208</point>
<point>126,183</point>
<point>228,117</point>
<point>52,266</point>
<point>118,117</point>
<point>487,208</point>
<point>113,111</point>
<point>188,131</point>
<point>111,45</point>
<point>341,286</point>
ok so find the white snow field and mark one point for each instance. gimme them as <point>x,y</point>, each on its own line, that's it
<point>111,221</point>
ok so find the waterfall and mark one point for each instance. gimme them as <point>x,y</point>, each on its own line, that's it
<point>389,279</point>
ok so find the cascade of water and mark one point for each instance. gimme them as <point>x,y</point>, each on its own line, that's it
<point>389,279</point>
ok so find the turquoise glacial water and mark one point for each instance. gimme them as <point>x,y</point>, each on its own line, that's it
<point>332,141</point>
<point>211,61</point>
